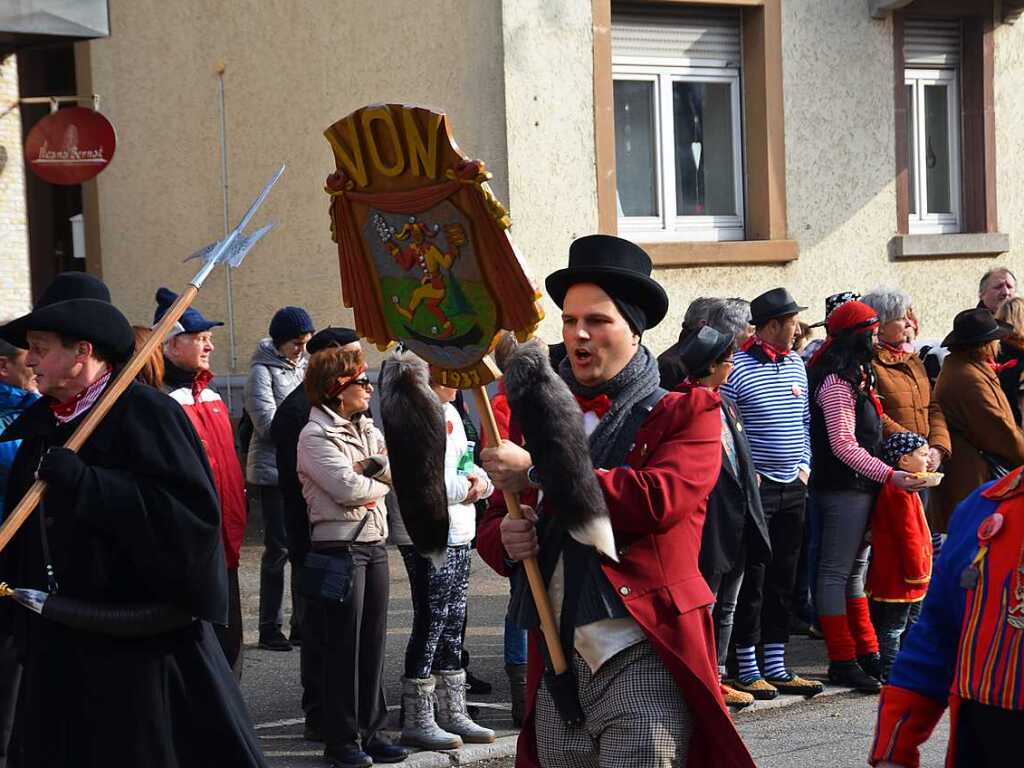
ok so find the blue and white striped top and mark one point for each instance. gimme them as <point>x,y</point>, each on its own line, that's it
<point>772,398</point>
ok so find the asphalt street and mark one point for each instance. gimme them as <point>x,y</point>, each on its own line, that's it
<point>833,730</point>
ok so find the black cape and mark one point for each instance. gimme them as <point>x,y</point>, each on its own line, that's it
<point>143,526</point>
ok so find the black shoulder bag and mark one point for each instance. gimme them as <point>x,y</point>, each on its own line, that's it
<point>329,577</point>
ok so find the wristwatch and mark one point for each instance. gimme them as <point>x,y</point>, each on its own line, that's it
<point>533,476</point>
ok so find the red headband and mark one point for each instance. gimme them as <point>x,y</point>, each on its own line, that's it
<point>342,384</point>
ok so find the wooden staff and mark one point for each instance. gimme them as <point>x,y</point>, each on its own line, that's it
<point>533,575</point>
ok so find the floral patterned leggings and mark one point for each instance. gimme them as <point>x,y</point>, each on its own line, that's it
<point>438,611</point>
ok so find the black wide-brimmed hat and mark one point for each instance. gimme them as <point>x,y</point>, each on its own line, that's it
<point>74,285</point>
<point>975,327</point>
<point>622,270</point>
<point>701,348</point>
<point>73,306</point>
<point>774,303</point>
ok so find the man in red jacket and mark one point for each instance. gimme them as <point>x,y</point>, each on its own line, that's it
<point>187,378</point>
<point>642,648</point>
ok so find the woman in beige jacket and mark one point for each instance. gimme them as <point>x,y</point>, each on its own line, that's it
<point>343,468</point>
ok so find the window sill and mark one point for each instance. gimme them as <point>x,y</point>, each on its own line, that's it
<point>905,247</point>
<point>693,254</point>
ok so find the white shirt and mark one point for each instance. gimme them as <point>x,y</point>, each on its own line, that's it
<point>598,641</point>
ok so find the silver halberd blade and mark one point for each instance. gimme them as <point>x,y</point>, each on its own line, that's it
<point>234,247</point>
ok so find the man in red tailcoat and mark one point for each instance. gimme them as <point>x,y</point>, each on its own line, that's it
<point>642,650</point>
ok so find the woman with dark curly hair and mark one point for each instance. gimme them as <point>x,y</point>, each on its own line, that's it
<point>846,443</point>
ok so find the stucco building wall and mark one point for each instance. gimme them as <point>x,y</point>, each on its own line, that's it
<point>516,78</point>
<point>15,288</point>
<point>840,167</point>
<point>291,71</point>
<point>1009,102</point>
<point>549,111</point>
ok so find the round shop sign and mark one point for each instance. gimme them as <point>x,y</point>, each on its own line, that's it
<point>70,146</point>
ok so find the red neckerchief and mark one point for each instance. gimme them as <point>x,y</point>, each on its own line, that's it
<point>898,353</point>
<point>599,405</point>
<point>771,351</point>
<point>1000,367</point>
<point>74,407</point>
<point>201,382</point>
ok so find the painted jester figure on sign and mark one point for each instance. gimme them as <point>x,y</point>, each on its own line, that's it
<point>425,257</point>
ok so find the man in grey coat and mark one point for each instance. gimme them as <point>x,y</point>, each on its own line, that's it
<point>278,366</point>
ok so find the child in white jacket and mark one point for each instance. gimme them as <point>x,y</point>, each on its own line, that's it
<point>433,655</point>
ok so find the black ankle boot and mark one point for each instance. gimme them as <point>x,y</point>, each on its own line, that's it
<point>871,663</point>
<point>850,674</point>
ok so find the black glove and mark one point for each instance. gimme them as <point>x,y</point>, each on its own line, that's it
<point>62,468</point>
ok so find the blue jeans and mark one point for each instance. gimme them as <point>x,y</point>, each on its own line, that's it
<point>890,620</point>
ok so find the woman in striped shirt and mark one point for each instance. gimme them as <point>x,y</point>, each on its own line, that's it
<point>846,442</point>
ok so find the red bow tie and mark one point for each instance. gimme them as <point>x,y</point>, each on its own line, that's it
<point>600,404</point>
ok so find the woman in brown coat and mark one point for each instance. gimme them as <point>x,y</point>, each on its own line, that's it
<point>901,379</point>
<point>977,412</point>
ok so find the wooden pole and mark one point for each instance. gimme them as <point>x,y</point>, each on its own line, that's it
<point>533,575</point>
<point>96,414</point>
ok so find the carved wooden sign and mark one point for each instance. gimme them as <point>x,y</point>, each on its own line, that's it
<point>422,243</point>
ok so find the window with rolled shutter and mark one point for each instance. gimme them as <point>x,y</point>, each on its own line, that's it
<point>678,132</point>
<point>932,53</point>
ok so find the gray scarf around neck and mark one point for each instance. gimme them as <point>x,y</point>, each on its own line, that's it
<point>628,387</point>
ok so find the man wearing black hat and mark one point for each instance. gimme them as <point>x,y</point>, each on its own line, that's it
<point>128,532</point>
<point>641,647</point>
<point>768,384</point>
<point>187,377</point>
<point>291,416</point>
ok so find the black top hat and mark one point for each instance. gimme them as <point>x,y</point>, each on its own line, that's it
<point>975,327</point>
<point>621,268</point>
<point>700,349</point>
<point>774,303</point>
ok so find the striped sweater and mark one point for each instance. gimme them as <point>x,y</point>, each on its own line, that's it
<point>772,398</point>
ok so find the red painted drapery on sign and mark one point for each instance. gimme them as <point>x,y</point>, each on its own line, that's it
<point>498,261</point>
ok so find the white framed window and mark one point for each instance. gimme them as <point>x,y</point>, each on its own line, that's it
<point>932,81</point>
<point>933,149</point>
<point>678,127</point>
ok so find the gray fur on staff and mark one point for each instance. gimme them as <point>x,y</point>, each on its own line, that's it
<point>552,425</point>
<point>414,430</point>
